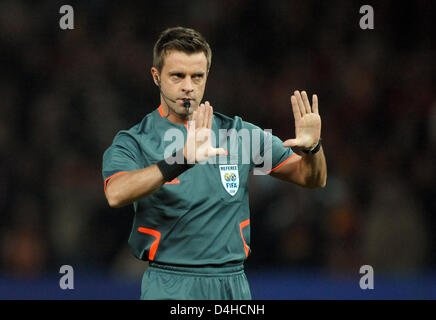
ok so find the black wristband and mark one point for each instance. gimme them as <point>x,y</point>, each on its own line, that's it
<point>171,171</point>
<point>315,149</point>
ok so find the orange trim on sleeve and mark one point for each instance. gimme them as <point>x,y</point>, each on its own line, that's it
<point>283,162</point>
<point>155,244</point>
<point>242,225</point>
<point>107,180</point>
<point>161,111</point>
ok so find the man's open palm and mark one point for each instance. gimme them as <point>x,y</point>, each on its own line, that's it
<point>307,122</point>
<point>198,146</point>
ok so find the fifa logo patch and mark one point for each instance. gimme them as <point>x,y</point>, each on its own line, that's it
<point>230,178</point>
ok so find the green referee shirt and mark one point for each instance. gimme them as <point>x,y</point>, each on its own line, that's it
<point>201,217</point>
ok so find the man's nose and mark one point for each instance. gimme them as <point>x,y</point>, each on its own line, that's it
<point>187,85</point>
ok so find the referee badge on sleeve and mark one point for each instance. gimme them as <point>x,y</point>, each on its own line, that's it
<point>230,178</point>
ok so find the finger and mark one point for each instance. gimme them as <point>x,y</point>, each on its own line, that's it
<point>200,116</point>
<point>306,102</point>
<point>300,102</point>
<point>210,119</point>
<point>295,108</point>
<point>218,152</point>
<point>204,110</point>
<point>291,143</point>
<point>206,115</point>
<point>193,121</point>
<point>315,104</point>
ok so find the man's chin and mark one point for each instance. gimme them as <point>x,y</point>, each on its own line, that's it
<point>182,112</point>
<point>185,112</point>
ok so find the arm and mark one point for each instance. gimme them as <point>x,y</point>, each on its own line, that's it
<point>305,169</point>
<point>127,187</point>
<point>308,171</point>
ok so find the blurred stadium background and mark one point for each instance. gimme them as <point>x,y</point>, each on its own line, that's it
<point>65,94</point>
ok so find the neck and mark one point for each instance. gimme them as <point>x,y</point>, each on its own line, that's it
<point>171,115</point>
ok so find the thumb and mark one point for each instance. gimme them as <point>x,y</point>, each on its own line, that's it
<point>291,143</point>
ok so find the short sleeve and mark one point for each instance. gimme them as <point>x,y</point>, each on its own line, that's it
<point>123,155</point>
<point>267,149</point>
<point>280,154</point>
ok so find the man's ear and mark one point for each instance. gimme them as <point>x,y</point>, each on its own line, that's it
<point>155,75</point>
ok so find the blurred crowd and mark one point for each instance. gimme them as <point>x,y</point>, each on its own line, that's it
<point>64,94</point>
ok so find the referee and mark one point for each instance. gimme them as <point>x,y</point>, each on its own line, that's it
<point>192,218</point>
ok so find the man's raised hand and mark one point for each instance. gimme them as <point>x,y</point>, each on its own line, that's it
<point>198,146</point>
<point>307,122</point>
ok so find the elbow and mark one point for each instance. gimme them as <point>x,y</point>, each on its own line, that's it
<point>323,182</point>
<point>317,184</point>
<point>114,203</point>
<point>113,200</point>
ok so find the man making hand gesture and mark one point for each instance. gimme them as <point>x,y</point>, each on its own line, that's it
<point>192,217</point>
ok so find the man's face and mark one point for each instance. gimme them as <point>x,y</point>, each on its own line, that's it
<point>183,76</point>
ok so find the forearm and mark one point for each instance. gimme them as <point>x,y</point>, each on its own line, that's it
<point>314,169</point>
<point>126,188</point>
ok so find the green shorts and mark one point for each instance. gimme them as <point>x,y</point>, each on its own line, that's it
<point>165,282</point>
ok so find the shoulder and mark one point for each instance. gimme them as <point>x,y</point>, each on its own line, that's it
<point>145,126</point>
<point>236,122</point>
<point>133,136</point>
